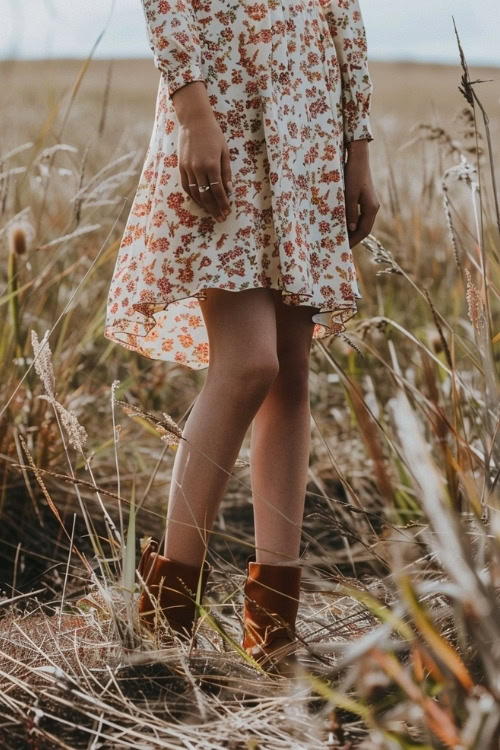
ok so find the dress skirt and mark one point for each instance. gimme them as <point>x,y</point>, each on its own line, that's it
<point>289,86</point>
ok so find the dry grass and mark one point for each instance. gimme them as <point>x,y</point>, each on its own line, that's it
<point>399,619</point>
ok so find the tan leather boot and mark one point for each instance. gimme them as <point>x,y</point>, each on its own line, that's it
<point>173,586</point>
<point>271,604</point>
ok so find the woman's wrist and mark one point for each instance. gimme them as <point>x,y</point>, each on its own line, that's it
<point>358,149</point>
<point>360,145</point>
<point>191,102</point>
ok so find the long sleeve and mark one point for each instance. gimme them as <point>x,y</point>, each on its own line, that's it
<point>174,40</point>
<point>348,31</point>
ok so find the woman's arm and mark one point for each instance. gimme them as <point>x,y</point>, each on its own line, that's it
<point>203,155</point>
<point>174,40</point>
<point>348,31</point>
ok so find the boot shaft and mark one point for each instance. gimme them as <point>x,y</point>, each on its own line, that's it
<point>171,586</point>
<point>271,603</point>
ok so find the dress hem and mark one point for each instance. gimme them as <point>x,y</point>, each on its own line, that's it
<point>112,330</point>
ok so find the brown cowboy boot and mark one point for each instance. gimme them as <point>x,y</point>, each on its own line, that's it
<point>271,603</point>
<point>173,586</point>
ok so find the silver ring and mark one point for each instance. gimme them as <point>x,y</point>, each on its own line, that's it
<point>215,183</point>
<point>203,188</point>
<point>192,184</point>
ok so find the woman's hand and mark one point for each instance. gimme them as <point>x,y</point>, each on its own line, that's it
<point>202,152</point>
<point>359,190</point>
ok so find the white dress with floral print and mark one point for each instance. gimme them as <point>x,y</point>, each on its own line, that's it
<point>289,85</point>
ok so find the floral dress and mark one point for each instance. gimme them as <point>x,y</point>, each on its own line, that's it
<point>289,85</point>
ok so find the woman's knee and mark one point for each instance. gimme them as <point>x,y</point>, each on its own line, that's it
<point>293,374</point>
<point>250,375</point>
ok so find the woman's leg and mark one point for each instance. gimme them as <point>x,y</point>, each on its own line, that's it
<point>280,441</point>
<point>241,330</point>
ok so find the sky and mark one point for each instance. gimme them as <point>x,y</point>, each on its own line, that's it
<point>420,30</point>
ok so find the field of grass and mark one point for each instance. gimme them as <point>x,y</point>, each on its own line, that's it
<point>399,617</point>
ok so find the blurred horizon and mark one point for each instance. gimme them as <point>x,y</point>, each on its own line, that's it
<point>50,29</point>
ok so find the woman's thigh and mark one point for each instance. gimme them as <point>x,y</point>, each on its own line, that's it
<point>294,331</point>
<point>241,328</point>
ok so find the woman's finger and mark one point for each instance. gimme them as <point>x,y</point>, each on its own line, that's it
<point>193,188</point>
<point>219,193</point>
<point>368,212</point>
<point>225,170</point>
<point>206,197</point>
<point>186,178</point>
<point>351,210</point>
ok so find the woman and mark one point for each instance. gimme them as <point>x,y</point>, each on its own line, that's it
<point>257,181</point>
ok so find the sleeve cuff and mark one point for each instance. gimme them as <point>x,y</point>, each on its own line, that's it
<point>359,130</point>
<point>176,79</point>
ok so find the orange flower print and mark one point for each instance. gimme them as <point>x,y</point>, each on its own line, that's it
<point>257,12</point>
<point>186,340</point>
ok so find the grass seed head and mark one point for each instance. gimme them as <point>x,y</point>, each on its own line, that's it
<point>17,239</point>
